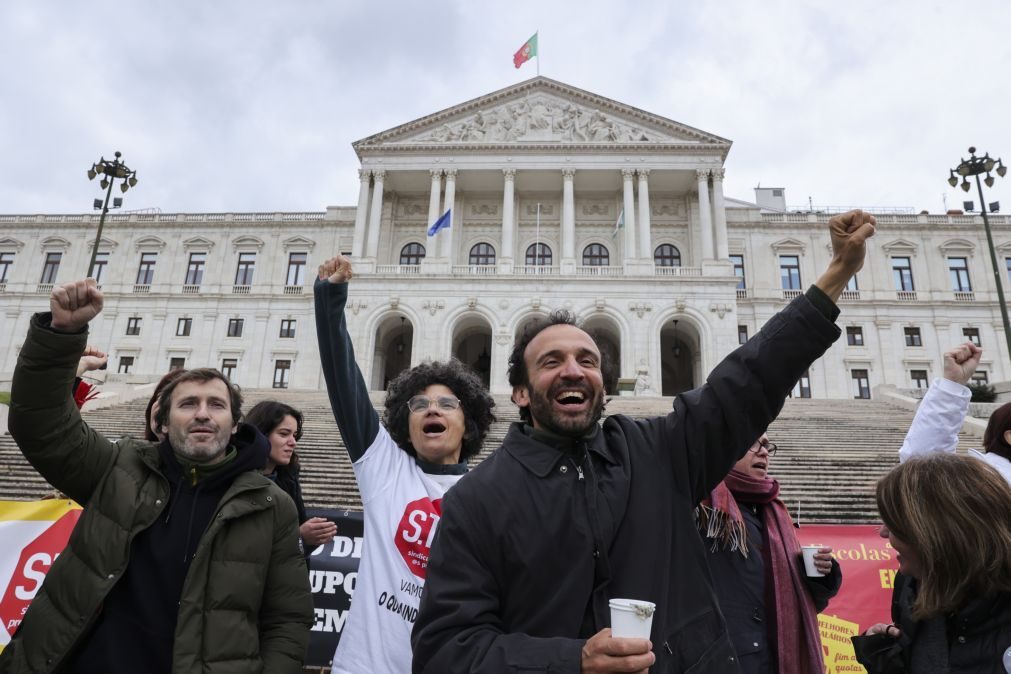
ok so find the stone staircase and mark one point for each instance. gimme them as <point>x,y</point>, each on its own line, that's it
<point>831,452</point>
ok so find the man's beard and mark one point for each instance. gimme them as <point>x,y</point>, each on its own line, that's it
<point>199,452</point>
<point>541,410</point>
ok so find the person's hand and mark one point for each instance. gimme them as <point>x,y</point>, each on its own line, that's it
<point>336,270</point>
<point>317,531</point>
<point>849,232</point>
<point>91,359</point>
<point>961,362</point>
<point>75,304</point>
<point>883,628</point>
<point>604,653</point>
<point>823,560</point>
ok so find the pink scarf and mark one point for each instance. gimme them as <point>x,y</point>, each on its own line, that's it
<point>796,637</point>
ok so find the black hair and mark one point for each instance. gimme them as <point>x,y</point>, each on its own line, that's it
<point>465,384</point>
<point>518,374</point>
<point>267,415</point>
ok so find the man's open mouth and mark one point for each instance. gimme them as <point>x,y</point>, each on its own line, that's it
<point>570,398</point>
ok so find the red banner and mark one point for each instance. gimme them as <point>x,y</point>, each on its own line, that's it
<point>868,569</point>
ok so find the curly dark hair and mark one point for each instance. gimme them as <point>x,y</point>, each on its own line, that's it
<point>475,402</point>
<point>202,375</point>
<point>518,374</point>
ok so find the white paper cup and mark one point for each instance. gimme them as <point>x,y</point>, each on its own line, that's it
<point>809,552</point>
<point>631,618</point>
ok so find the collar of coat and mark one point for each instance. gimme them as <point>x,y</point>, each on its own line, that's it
<point>541,452</point>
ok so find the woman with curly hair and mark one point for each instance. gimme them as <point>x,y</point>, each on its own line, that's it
<point>436,417</point>
<point>281,424</point>
<point>948,517</point>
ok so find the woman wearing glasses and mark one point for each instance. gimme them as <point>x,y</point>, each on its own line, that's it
<point>771,606</point>
<point>436,417</point>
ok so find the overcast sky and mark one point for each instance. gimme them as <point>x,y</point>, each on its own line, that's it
<point>246,105</point>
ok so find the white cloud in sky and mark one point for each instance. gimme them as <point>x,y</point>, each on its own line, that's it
<point>244,105</point>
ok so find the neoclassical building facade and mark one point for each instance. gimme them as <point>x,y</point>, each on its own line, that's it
<point>557,199</point>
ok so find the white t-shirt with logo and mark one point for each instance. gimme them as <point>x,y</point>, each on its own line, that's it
<point>403,505</point>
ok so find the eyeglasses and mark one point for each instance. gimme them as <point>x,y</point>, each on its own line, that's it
<point>419,404</point>
<point>770,447</point>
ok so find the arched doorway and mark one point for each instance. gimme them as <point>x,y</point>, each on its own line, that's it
<point>472,346</point>
<point>394,345</point>
<point>607,335</point>
<point>679,356</point>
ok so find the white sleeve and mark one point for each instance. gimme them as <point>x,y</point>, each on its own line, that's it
<point>938,420</point>
<point>381,466</point>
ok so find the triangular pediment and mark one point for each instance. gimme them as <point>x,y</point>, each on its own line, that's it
<point>198,243</point>
<point>541,112</point>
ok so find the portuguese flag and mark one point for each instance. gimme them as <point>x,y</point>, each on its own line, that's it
<point>526,52</point>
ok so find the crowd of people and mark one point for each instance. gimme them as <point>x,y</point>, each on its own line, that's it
<point>191,551</point>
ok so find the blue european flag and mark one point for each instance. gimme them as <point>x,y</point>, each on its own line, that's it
<point>441,223</point>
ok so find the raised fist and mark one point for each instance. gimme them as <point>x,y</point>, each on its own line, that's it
<point>961,362</point>
<point>91,359</point>
<point>336,270</point>
<point>850,232</point>
<point>75,304</point>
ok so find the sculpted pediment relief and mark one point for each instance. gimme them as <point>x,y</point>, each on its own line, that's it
<point>538,112</point>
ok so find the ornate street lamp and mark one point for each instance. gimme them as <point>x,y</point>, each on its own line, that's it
<point>110,171</point>
<point>974,166</point>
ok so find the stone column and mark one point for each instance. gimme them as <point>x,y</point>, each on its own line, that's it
<point>629,209</point>
<point>705,221</point>
<point>358,245</point>
<point>376,215</point>
<point>720,215</point>
<point>446,234</point>
<point>508,221</point>
<point>568,220</point>
<point>433,200</point>
<point>645,238</point>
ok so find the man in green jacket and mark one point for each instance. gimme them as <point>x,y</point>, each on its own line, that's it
<point>186,558</point>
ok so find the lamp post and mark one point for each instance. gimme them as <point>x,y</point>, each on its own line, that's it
<point>110,171</point>
<point>974,166</point>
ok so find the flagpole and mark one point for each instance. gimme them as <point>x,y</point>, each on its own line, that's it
<point>538,34</point>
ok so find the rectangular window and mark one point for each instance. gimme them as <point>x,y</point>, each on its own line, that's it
<point>51,267</point>
<point>802,389</point>
<point>738,262</point>
<point>919,378</point>
<point>789,272</point>
<point>244,270</point>
<point>228,366</point>
<point>1007,262</point>
<point>979,378</point>
<point>972,335</point>
<point>97,271</point>
<point>958,267</point>
<point>902,273</point>
<point>6,262</point>
<point>183,327</point>
<point>742,334</point>
<point>133,325</point>
<point>145,271</point>
<point>282,372</point>
<point>125,363</point>
<point>235,327</point>
<point>852,284</point>
<point>177,364</point>
<point>854,335</point>
<point>913,337</point>
<point>296,269</point>
<point>861,385</point>
<point>195,269</point>
<point>287,328</point>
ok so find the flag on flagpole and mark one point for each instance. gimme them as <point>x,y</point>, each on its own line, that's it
<point>620,224</point>
<point>526,52</point>
<point>443,222</point>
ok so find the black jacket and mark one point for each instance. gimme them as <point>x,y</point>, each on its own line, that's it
<point>534,541</point>
<point>978,634</point>
<point>286,477</point>
<point>740,589</point>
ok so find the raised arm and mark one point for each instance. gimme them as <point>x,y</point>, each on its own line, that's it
<point>44,418</point>
<point>744,393</point>
<point>944,406</point>
<point>349,396</point>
